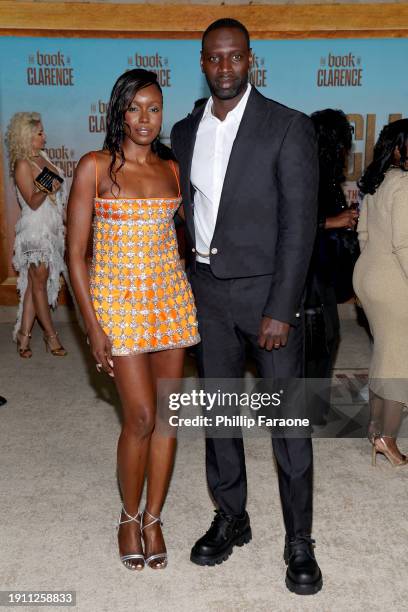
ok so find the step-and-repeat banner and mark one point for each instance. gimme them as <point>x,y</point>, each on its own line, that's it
<point>69,82</point>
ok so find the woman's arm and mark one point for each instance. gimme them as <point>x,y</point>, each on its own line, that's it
<point>79,222</point>
<point>347,218</point>
<point>23,178</point>
<point>399,226</point>
<point>180,212</point>
<point>362,226</point>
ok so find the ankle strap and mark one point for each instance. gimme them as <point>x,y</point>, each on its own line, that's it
<point>24,334</point>
<point>130,518</point>
<point>155,519</point>
<point>51,337</point>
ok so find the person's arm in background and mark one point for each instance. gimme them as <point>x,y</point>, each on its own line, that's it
<point>298,177</point>
<point>362,226</point>
<point>23,178</point>
<point>399,225</point>
<point>346,219</point>
<point>79,223</point>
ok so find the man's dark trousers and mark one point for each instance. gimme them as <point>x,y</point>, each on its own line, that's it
<point>229,316</point>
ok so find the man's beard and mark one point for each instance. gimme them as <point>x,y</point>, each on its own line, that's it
<point>232,92</point>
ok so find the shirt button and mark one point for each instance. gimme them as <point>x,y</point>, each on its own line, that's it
<point>298,314</point>
<point>193,250</point>
<point>214,251</point>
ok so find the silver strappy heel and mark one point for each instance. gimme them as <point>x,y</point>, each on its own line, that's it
<point>162,555</point>
<point>126,559</point>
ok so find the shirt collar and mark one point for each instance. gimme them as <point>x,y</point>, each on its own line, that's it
<point>235,113</point>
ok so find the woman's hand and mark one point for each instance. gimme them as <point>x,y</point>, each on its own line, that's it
<point>56,186</point>
<point>101,349</point>
<point>347,218</point>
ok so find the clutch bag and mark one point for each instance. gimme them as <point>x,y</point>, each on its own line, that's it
<point>45,179</point>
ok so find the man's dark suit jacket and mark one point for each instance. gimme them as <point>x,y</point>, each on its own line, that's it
<point>267,215</point>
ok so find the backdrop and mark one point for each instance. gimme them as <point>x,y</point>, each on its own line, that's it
<point>69,81</point>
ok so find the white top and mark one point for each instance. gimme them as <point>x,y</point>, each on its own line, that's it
<point>211,155</point>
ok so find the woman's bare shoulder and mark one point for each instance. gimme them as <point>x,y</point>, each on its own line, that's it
<point>88,160</point>
<point>22,165</point>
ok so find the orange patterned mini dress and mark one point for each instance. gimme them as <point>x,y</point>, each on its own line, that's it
<point>139,290</point>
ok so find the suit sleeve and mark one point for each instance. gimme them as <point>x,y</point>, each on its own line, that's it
<point>298,182</point>
<point>173,140</point>
<point>399,225</point>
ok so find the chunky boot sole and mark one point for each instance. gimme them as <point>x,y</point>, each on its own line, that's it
<point>304,589</point>
<point>244,538</point>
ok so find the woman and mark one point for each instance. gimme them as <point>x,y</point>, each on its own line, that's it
<point>381,283</point>
<point>137,304</point>
<point>329,277</point>
<point>40,243</point>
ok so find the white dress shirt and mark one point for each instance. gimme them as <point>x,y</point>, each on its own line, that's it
<point>211,155</point>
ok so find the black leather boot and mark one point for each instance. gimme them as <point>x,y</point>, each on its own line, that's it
<point>216,545</point>
<point>303,575</point>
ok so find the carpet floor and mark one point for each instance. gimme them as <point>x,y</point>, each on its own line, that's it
<point>60,500</point>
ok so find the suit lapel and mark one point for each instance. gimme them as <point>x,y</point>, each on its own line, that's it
<point>190,138</point>
<point>251,123</point>
<point>192,135</point>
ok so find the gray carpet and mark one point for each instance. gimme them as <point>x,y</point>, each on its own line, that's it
<point>60,500</point>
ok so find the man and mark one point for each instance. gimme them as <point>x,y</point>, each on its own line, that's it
<point>249,176</point>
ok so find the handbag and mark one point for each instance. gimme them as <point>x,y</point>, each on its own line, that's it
<point>45,180</point>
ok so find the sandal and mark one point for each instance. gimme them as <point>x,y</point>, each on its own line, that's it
<point>24,352</point>
<point>57,352</point>
<point>126,559</point>
<point>163,555</point>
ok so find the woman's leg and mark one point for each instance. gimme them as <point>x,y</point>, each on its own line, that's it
<point>28,316</point>
<point>167,365</point>
<point>392,418</point>
<point>375,425</point>
<point>39,276</point>
<point>385,421</point>
<point>133,378</point>
<point>385,416</point>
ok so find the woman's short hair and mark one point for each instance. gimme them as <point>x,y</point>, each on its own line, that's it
<point>19,135</point>
<point>226,22</point>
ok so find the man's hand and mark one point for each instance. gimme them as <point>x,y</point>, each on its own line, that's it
<point>273,334</point>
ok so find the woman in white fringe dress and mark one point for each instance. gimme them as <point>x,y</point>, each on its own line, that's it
<point>40,234</point>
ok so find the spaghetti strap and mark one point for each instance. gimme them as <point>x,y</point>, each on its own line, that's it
<point>176,175</point>
<point>96,174</point>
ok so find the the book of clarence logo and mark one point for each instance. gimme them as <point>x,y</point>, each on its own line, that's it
<point>340,71</point>
<point>156,63</point>
<point>50,69</point>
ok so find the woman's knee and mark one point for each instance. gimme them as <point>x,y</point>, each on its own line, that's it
<point>139,423</point>
<point>38,276</point>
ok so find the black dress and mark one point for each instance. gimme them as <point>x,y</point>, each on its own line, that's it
<point>329,282</point>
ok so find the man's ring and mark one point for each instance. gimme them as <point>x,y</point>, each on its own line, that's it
<point>276,345</point>
<point>99,367</point>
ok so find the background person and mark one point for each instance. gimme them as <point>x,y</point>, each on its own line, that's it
<point>40,235</point>
<point>329,278</point>
<point>381,283</point>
